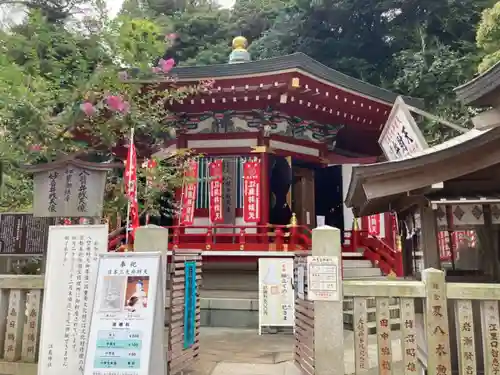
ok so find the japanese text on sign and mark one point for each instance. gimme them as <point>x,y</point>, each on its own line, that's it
<point>276,294</point>
<point>189,193</point>
<point>401,136</point>
<point>71,271</point>
<point>323,278</point>
<point>251,191</point>
<point>124,316</point>
<point>216,199</point>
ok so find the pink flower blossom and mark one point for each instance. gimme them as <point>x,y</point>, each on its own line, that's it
<point>166,65</point>
<point>36,148</point>
<point>123,75</point>
<point>117,104</point>
<point>88,108</point>
<point>156,69</point>
<point>171,36</point>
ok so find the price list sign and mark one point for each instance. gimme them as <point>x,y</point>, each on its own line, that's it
<point>121,332</point>
<point>323,278</point>
<point>118,349</point>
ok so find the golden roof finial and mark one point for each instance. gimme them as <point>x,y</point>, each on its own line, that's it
<point>240,43</point>
<point>240,53</point>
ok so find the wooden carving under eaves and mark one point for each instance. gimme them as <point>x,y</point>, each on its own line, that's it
<point>69,188</point>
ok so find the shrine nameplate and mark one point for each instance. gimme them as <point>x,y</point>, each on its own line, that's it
<point>69,190</point>
<point>23,234</point>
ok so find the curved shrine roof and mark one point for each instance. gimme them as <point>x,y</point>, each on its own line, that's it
<point>477,91</point>
<point>294,62</point>
<point>376,188</point>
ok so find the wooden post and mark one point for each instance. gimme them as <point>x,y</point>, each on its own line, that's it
<point>436,322</point>
<point>328,315</point>
<point>430,238</point>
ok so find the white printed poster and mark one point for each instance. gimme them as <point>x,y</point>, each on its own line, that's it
<point>121,340</point>
<point>72,258</point>
<point>276,294</point>
<point>324,278</point>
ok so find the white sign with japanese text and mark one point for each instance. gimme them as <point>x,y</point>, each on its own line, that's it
<point>401,136</point>
<point>72,257</point>
<point>126,331</point>
<point>324,278</point>
<point>276,294</point>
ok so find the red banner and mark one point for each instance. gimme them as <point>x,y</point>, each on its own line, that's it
<point>374,225</point>
<point>216,180</point>
<point>189,192</point>
<point>251,191</point>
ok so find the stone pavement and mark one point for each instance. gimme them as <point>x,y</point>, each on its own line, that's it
<point>226,351</point>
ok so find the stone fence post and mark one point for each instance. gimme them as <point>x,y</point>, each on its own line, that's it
<point>153,238</point>
<point>328,315</point>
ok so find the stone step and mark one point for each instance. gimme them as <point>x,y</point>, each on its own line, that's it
<point>355,273</point>
<point>357,263</point>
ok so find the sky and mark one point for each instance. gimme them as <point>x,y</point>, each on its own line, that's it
<point>114,6</point>
<point>9,14</point>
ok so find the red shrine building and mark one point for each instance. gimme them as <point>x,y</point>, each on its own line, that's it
<point>278,139</point>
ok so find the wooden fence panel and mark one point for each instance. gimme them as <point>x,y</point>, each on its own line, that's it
<point>408,335</point>
<point>360,324</point>
<point>304,320</point>
<point>179,357</point>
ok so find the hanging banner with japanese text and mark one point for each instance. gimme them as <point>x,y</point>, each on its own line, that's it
<point>215,169</point>
<point>72,257</point>
<point>374,225</point>
<point>189,192</point>
<point>251,191</point>
<point>126,330</point>
<point>401,137</point>
<point>276,294</point>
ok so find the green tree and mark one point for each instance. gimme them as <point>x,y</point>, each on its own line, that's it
<point>44,115</point>
<point>488,37</point>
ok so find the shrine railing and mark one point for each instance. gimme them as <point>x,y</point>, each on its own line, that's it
<point>242,238</point>
<point>435,322</point>
<point>380,253</point>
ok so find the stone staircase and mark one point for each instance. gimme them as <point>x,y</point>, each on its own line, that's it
<point>358,268</point>
<point>231,299</point>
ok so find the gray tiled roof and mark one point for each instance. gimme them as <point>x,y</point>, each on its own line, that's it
<point>298,61</point>
<point>472,91</point>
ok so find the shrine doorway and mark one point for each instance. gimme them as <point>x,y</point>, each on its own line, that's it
<point>328,195</point>
<point>303,193</point>
<point>280,211</point>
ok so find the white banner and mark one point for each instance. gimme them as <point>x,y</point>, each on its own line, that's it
<point>126,333</point>
<point>276,295</point>
<point>72,258</point>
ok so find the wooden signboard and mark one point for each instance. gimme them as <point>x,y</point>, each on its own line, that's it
<point>401,136</point>
<point>69,188</point>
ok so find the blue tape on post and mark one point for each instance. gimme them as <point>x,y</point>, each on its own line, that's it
<point>189,304</point>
